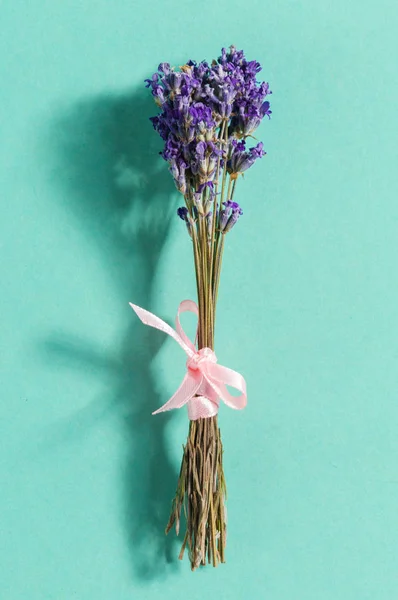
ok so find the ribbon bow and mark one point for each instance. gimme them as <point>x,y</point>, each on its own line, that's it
<point>205,381</point>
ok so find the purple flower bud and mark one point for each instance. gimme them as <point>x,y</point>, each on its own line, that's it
<point>239,146</point>
<point>201,149</point>
<point>182,212</point>
<point>241,160</point>
<point>265,110</point>
<point>257,151</point>
<point>229,215</point>
<point>232,205</point>
<point>208,184</point>
<point>153,81</point>
<point>236,212</point>
<point>158,94</point>
<point>264,90</point>
<point>164,68</point>
<point>201,116</point>
<point>253,67</point>
<point>223,219</point>
<point>174,81</point>
<point>177,169</point>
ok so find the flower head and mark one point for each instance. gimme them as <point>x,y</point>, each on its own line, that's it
<point>206,112</point>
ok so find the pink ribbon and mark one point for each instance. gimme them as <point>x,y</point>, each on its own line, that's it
<point>205,381</point>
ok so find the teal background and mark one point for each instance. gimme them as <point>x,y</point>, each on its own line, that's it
<point>308,305</point>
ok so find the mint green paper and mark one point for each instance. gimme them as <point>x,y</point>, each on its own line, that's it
<point>307,312</point>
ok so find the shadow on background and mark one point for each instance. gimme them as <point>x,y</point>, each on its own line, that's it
<point>119,189</point>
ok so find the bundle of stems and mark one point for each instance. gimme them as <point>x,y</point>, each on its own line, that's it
<point>201,489</point>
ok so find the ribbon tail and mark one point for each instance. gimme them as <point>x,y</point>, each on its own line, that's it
<point>152,320</point>
<point>188,388</point>
<point>218,377</point>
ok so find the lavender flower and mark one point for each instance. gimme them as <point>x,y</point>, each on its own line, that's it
<point>204,157</point>
<point>184,215</point>
<point>177,169</point>
<point>242,159</point>
<point>182,212</point>
<point>229,215</point>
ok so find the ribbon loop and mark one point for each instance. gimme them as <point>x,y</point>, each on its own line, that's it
<point>205,381</point>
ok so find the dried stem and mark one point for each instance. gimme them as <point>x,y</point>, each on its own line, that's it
<point>201,494</point>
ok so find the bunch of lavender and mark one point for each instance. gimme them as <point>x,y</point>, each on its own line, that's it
<point>207,112</point>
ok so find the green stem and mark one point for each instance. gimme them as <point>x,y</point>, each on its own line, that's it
<point>214,236</point>
<point>217,272</point>
<point>229,195</point>
<point>214,215</point>
<point>203,304</point>
<point>199,283</point>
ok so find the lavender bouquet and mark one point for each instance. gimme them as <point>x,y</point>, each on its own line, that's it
<point>207,112</point>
